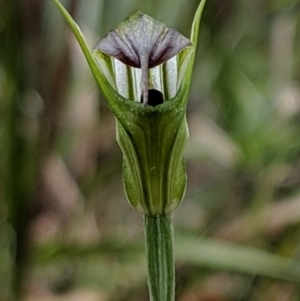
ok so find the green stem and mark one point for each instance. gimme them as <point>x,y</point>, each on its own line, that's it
<point>12,148</point>
<point>160,257</point>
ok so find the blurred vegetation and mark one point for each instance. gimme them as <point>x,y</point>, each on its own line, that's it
<point>66,230</point>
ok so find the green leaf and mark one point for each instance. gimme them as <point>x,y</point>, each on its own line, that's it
<point>186,57</point>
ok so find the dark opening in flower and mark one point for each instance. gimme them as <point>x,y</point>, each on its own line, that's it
<point>155,98</point>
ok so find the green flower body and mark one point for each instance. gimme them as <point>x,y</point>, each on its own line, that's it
<point>143,53</point>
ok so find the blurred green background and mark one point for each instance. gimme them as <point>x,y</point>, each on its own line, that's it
<point>66,229</point>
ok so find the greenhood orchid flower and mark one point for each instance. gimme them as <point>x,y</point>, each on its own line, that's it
<point>152,138</point>
<point>144,71</point>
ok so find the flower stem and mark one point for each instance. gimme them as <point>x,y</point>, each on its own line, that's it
<point>160,257</point>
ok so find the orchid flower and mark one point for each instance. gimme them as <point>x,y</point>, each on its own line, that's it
<point>144,71</point>
<point>152,138</point>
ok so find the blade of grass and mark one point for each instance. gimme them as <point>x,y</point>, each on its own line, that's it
<point>196,251</point>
